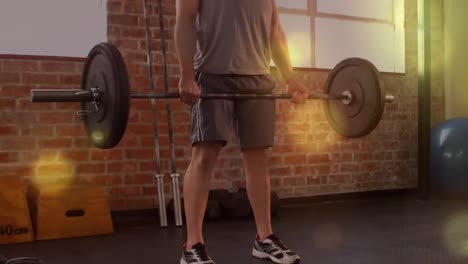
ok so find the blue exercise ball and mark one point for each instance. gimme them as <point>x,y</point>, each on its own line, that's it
<point>449,157</point>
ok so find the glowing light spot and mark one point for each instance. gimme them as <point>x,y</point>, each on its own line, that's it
<point>444,135</point>
<point>466,246</point>
<point>97,136</point>
<point>51,169</point>
<point>307,132</point>
<point>456,234</point>
<point>299,49</point>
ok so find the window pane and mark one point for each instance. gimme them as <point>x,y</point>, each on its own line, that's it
<point>297,30</point>
<point>295,4</point>
<point>52,27</point>
<point>379,9</point>
<point>339,39</point>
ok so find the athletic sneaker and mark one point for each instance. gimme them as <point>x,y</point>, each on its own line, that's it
<point>273,249</point>
<point>196,255</point>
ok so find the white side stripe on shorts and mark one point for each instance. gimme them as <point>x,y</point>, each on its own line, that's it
<point>198,112</point>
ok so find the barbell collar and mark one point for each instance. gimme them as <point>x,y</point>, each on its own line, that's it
<point>389,98</point>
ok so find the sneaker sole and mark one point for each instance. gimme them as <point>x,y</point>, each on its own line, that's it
<point>182,261</point>
<point>263,255</point>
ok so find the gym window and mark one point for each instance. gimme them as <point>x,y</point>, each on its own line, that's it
<point>65,28</point>
<point>323,32</point>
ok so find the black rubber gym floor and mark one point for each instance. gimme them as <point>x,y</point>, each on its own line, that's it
<point>378,231</point>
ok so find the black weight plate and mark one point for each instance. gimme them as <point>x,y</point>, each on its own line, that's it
<point>214,211</point>
<point>362,115</point>
<point>239,206</point>
<point>27,260</point>
<point>105,69</point>
<point>275,204</point>
<point>219,195</point>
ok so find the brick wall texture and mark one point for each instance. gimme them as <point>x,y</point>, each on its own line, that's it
<point>308,159</point>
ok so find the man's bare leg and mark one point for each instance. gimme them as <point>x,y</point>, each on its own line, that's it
<point>259,188</point>
<point>196,188</point>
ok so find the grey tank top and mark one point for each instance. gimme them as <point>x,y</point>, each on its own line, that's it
<point>234,37</point>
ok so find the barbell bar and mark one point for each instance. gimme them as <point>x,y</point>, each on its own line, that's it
<point>221,96</point>
<point>354,97</point>
<point>78,95</point>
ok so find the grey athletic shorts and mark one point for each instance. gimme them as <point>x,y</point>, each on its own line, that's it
<point>252,120</point>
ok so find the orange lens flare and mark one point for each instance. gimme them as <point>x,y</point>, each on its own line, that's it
<point>51,169</point>
<point>455,234</point>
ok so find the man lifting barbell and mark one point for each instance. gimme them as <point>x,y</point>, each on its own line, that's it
<point>228,86</point>
<point>234,40</point>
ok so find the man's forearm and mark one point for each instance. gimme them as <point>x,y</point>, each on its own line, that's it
<point>185,42</point>
<point>280,54</point>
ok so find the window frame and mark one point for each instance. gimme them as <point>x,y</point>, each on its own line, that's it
<point>312,12</point>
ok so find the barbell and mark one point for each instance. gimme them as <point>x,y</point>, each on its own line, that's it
<point>354,97</point>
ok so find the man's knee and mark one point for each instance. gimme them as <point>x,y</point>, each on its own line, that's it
<point>204,155</point>
<point>257,157</point>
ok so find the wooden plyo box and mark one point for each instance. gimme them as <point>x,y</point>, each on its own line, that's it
<point>15,221</point>
<point>65,211</point>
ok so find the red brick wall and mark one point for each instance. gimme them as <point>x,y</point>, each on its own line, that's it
<point>308,159</point>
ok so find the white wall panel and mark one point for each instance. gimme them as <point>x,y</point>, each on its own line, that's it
<point>294,4</point>
<point>378,9</point>
<point>52,27</point>
<point>400,39</point>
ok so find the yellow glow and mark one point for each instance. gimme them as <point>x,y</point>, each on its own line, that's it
<point>294,122</point>
<point>52,168</point>
<point>421,36</point>
<point>97,136</point>
<point>305,125</point>
<point>299,49</point>
<point>456,234</point>
<point>456,79</point>
<point>399,13</point>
